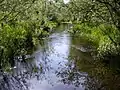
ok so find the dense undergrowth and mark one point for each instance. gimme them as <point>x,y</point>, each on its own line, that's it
<point>18,38</point>
<point>105,37</point>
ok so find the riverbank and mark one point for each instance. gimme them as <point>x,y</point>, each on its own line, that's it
<point>104,37</point>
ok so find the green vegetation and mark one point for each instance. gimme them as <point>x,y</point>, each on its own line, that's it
<point>98,20</point>
<point>94,49</point>
<point>105,38</point>
<point>24,22</point>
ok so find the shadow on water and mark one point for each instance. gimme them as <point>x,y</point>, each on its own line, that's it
<point>61,62</point>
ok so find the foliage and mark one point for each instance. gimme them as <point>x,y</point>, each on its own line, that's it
<point>105,37</point>
<point>17,40</point>
<point>22,23</point>
<point>113,7</point>
<point>95,11</point>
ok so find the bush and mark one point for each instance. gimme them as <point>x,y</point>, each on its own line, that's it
<point>17,39</point>
<point>105,37</point>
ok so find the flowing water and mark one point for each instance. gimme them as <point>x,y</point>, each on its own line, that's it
<point>60,62</point>
<point>54,58</point>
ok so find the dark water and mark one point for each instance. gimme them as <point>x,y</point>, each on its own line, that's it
<point>61,62</point>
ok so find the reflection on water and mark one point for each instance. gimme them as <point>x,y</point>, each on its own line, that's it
<point>61,62</point>
<point>56,55</point>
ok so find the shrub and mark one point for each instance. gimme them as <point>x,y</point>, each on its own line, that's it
<point>105,37</point>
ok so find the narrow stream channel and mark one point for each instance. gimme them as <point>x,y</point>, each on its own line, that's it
<point>55,53</point>
<point>50,67</point>
<point>61,62</point>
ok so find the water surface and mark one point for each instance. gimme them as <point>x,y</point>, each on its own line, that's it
<point>55,52</point>
<point>61,62</point>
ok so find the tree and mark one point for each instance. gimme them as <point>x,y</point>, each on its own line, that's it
<point>14,9</point>
<point>102,11</point>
